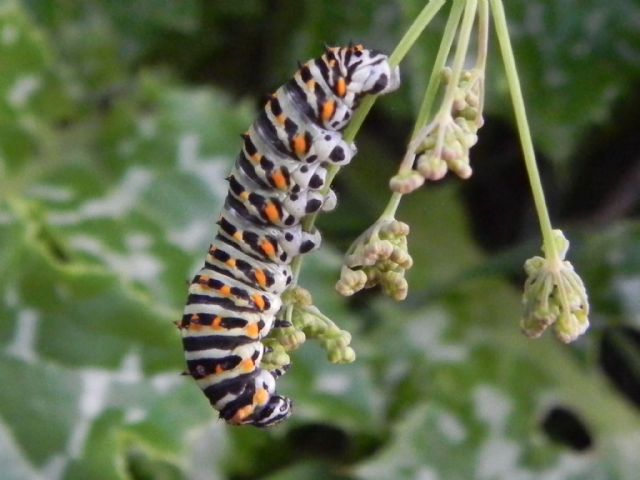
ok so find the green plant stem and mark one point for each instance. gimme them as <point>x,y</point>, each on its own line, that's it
<point>420,23</point>
<point>500,23</point>
<point>438,65</point>
<point>328,324</point>
<point>483,34</point>
<point>415,30</point>
<point>417,27</point>
<point>459,58</point>
<point>390,210</point>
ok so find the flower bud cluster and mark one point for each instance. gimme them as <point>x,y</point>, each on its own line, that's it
<point>275,358</point>
<point>380,256</point>
<point>554,295</point>
<point>297,321</point>
<point>445,143</point>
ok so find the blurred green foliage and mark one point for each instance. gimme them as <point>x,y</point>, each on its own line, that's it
<point>118,123</point>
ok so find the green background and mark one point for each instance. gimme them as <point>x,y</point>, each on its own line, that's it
<point>118,123</point>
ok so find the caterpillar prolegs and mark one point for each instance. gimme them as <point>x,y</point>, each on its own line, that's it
<point>277,180</point>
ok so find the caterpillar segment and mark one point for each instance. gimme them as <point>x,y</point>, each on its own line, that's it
<point>267,244</point>
<point>231,262</point>
<point>287,175</point>
<point>278,179</point>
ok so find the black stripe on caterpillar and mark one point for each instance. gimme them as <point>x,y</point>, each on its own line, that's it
<point>277,180</point>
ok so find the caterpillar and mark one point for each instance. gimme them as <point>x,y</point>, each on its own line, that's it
<point>278,179</point>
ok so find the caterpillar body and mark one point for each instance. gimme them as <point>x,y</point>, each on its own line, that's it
<point>278,179</point>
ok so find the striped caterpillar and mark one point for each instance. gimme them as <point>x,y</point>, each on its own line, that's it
<point>277,180</point>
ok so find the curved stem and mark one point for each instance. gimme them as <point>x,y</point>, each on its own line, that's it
<point>422,20</point>
<point>419,24</point>
<point>407,41</point>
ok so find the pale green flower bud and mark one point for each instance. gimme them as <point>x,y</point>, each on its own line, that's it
<point>302,297</point>
<point>446,74</point>
<point>400,257</point>
<point>275,357</point>
<point>406,183</point>
<point>431,167</point>
<point>395,285</point>
<point>461,167</point>
<point>290,338</point>
<point>451,151</point>
<point>342,355</point>
<point>380,250</point>
<point>469,140</point>
<point>378,257</point>
<point>351,281</point>
<point>396,228</point>
<point>554,295</point>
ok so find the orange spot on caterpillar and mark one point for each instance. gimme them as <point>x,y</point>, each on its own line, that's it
<point>238,235</point>
<point>247,365</point>
<point>341,87</point>
<point>203,280</point>
<point>311,85</point>
<point>272,212</point>
<point>219,369</point>
<point>244,195</point>
<point>261,397</point>
<point>279,180</point>
<point>328,109</point>
<point>252,330</point>
<point>217,323</point>
<point>225,290</point>
<point>231,262</point>
<point>241,415</point>
<point>299,145</point>
<point>255,158</point>
<point>260,277</point>
<point>268,249</point>
<point>194,323</point>
<point>281,119</point>
<point>259,301</point>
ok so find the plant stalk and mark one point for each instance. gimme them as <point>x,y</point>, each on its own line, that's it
<point>500,23</point>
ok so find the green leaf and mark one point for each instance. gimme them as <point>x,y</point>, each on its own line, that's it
<point>572,63</point>
<point>31,90</point>
<point>470,394</point>
<point>99,224</point>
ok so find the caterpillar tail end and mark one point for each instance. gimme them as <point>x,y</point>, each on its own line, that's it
<point>274,411</point>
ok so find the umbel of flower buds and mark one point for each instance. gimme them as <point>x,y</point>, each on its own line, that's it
<point>306,322</point>
<point>444,144</point>
<point>554,295</point>
<point>378,257</point>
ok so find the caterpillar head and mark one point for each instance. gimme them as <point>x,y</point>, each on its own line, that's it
<point>367,71</point>
<point>274,411</point>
